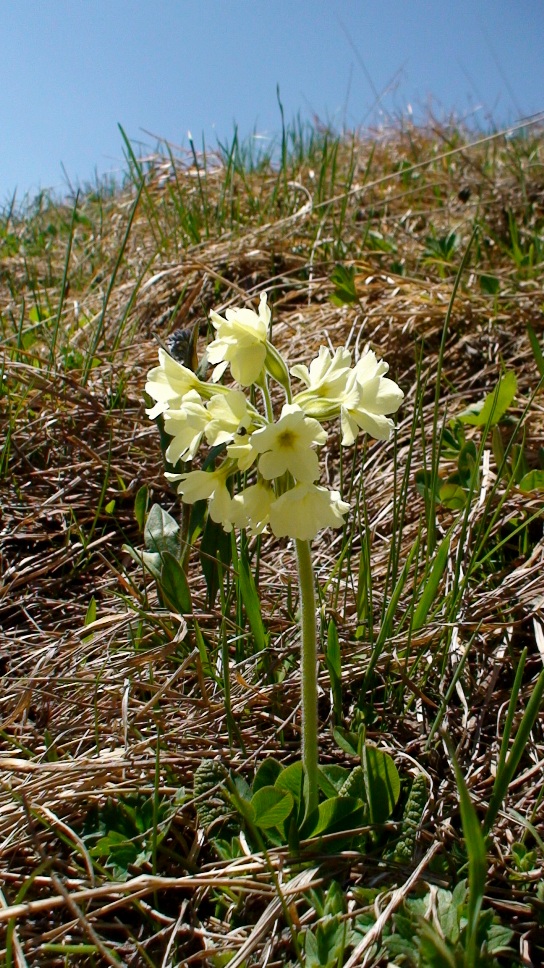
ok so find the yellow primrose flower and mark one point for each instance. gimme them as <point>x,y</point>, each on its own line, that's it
<point>186,426</point>
<point>287,445</point>
<point>210,486</point>
<point>251,508</point>
<point>326,377</point>
<point>306,509</point>
<point>229,414</point>
<point>168,383</point>
<point>241,342</point>
<point>369,397</point>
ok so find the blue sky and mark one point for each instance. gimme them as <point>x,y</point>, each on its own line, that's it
<point>72,70</point>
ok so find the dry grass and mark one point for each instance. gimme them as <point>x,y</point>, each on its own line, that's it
<point>98,712</point>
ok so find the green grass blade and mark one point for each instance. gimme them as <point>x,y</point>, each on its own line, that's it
<point>537,350</point>
<point>504,778</point>
<point>430,588</point>
<point>477,861</point>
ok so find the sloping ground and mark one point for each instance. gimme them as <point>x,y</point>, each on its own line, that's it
<point>98,712</point>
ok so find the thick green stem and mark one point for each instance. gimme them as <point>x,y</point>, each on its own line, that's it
<point>308,673</point>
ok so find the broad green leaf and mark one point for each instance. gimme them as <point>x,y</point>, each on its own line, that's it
<point>490,411</point>
<point>148,560</point>
<point>430,588</point>
<point>173,584</point>
<point>271,807</point>
<point>331,779</point>
<point>267,774</point>
<point>343,278</point>
<point>490,285</point>
<point>452,496</point>
<point>161,532</point>
<point>334,816</point>
<point>349,742</point>
<point>290,780</point>
<point>382,783</point>
<point>533,481</point>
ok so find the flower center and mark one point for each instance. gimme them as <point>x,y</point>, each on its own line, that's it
<point>287,439</point>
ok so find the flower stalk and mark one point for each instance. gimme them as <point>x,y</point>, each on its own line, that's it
<point>308,674</point>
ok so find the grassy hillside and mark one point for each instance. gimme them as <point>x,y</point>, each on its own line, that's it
<point>427,247</point>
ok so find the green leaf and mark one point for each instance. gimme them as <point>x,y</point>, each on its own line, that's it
<point>382,783</point>
<point>173,584</point>
<point>140,505</point>
<point>215,556</point>
<point>252,604</point>
<point>343,278</point>
<point>334,816</point>
<point>537,350</point>
<point>325,948</point>
<point>423,481</point>
<point>271,807</point>
<point>533,481</point>
<point>90,616</point>
<point>331,778</point>
<point>452,496</point>
<point>148,560</point>
<point>510,763</point>
<point>290,780</point>
<point>161,532</point>
<point>490,411</point>
<point>467,462</point>
<point>349,742</point>
<point>477,862</point>
<point>490,285</point>
<point>430,588</point>
<point>267,774</point>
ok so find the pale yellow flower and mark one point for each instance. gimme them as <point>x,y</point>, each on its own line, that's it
<point>229,414</point>
<point>251,508</point>
<point>168,383</point>
<point>369,397</point>
<point>326,383</point>
<point>210,486</point>
<point>186,426</point>
<point>306,509</point>
<point>288,445</point>
<point>241,342</point>
<point>242,451</point>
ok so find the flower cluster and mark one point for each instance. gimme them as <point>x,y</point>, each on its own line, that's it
<point>284,495</point>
